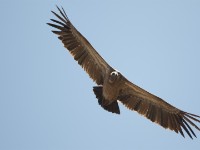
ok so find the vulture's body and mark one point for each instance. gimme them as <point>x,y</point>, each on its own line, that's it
<point>112,87</point>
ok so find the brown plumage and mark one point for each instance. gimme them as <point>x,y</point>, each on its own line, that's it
<point>113,86</point>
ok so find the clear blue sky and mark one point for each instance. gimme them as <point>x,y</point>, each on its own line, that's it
<point>46,99</point>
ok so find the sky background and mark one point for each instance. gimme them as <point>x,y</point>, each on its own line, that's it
<point>46,99</point>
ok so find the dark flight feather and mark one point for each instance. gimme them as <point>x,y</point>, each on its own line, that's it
<point>80,48</point>
<point>157,110</point>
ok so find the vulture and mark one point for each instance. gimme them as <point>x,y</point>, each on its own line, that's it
<point>112,87</point>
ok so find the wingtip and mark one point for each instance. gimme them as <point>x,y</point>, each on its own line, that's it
<point>50,24</point>
<point>57,7</point>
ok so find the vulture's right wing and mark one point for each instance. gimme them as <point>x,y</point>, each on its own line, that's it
<point>80,48</point>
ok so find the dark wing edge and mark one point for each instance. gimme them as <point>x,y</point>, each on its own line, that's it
<point>79,47</point>
<point>157,110</point>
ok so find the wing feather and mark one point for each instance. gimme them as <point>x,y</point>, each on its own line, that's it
<point>157,110</point>
<point>79,47</point>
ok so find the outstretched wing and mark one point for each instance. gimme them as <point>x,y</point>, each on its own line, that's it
<point>80,48</point>
<point>157,110</point>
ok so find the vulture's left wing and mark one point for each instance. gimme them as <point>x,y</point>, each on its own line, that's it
<point>80,48</point>
<point>157,110</point>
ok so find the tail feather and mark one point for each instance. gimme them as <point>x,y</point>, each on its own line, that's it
<point>113,107</point>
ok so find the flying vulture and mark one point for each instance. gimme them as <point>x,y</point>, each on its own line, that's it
<point>112,87</point>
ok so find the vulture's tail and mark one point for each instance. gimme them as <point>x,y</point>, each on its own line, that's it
<point>113,107</point>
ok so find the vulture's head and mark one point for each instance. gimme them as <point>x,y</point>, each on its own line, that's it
<point>114,76</point>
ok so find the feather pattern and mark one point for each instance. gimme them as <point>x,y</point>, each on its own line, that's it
<point>157,110</point>
<point>80,48</point>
